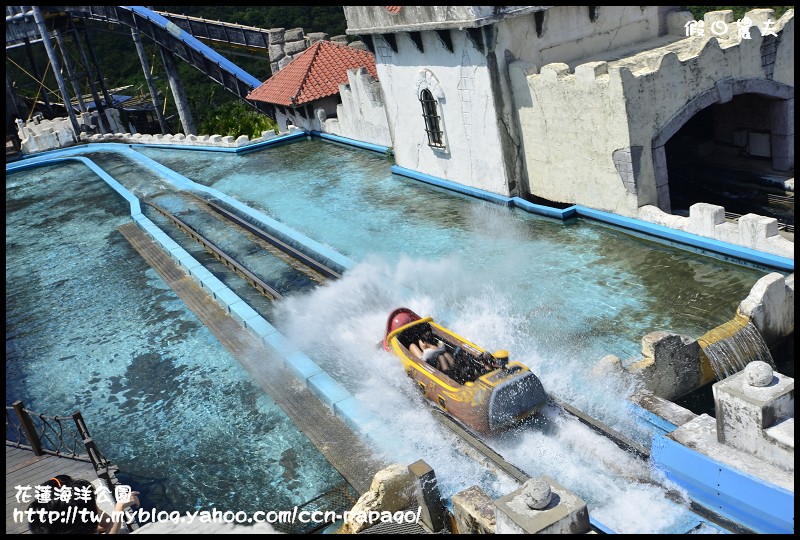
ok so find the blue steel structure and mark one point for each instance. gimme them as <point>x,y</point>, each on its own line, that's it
<point>170,36</point>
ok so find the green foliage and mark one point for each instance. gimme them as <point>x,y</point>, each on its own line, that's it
<point>738,11</point>
<point>235,118</point>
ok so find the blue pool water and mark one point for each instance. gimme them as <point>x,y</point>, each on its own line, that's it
<point>558,295</point>
<point>91,327</point>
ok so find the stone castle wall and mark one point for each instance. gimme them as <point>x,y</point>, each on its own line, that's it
<point>594,135</point>
<point>361,115</point>
<point>285,46</point>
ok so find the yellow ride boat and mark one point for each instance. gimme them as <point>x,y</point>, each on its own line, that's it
<point>483,391</point>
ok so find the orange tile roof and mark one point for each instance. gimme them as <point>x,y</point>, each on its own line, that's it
<point>315,74</point>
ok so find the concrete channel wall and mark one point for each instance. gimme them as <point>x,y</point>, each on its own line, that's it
<point>741,464</point>
<point>664,233</point>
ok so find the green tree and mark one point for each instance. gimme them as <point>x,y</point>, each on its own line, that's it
<point>235,118</point>
<point>207,98</point>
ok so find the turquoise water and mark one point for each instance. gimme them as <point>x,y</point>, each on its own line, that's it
<point>559,296</point>
<point>91,327</point>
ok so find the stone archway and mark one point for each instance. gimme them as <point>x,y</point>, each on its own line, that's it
<point>781,125</point>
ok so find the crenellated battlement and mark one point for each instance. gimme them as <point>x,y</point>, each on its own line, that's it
<point>621,107</point>
<point>691,48</point>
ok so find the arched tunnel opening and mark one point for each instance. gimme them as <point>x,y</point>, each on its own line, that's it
<point>738,155</point>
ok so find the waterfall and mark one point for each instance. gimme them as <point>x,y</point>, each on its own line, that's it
<point>736,347</point>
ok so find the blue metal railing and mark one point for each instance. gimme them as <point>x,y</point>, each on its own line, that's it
<point>170,36</point>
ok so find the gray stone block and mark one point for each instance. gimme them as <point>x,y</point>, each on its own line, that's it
<point>433,515</point>
<point>754,228</point>
<point>276,35</point>
<point>745,411</point>
<point>295,34</point>
<point>671,367</point>
<point>294,47</point>
<point>313,37</point>
<point>628,161</point>
<point>473,510</point>
<point>276,52</point>
<point>565,513</point>
<point>704,217</point>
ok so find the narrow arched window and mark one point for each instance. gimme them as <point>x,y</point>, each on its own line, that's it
<point>431,116</point>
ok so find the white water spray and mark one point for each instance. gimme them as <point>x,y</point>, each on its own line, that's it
<point>340,325</point>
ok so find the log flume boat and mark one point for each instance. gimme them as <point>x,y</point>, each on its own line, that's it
<point>483,391</point>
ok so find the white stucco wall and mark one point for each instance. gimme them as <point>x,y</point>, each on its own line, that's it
<point>568,33</point>
<point>572,123</point>
<point>770,306</point>
<point>482,135</point>
<point>379,19</point>
<point>39,135</point>
<point>361,115</point>
<point>280,118</point>
<point>312,121</point>
<point>665,87</point>
<point>460,81</point>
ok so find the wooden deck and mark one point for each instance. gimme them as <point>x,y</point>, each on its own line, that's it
<point>343,449</point>
<point>23,468</point>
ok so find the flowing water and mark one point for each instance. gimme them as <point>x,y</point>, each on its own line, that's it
<point>558,295</point>
<point>91,327</point>
<point>731,354</point>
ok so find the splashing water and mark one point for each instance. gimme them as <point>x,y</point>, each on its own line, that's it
<point>339,326</point>
<point>558,296</point>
